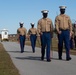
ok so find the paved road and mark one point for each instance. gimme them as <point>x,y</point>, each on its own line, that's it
<point>29,63</point>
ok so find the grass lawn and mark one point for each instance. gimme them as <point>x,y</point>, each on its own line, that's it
<point>6,65</point>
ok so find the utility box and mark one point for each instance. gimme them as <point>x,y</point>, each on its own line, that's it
<point>4,35</point>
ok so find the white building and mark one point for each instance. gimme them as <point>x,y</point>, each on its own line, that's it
<point>4,34</point>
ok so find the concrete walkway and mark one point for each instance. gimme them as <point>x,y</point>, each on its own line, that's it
<point>29,63</point>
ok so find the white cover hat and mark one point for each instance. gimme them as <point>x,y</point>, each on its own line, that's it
<point>62,7</point>
<point>44,11</point>
<point>21,22</point>
<point>32,23</point>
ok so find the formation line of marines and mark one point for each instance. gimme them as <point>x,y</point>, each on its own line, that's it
<point>44,31</point>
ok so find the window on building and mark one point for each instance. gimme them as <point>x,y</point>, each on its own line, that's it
<point>5,33</point>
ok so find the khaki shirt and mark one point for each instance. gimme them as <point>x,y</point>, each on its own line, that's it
<point>32,31</point>
<point>63,22</point>
<point>45,25</point>
<point>22,31</point>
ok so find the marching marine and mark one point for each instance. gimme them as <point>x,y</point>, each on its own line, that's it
<point>21,36</point>
<point>75,34</point>
<point>33,35</point>
<point>64,29</point>
<point>45,28</point>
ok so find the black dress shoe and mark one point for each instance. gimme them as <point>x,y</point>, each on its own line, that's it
<point>48,60</point>
<point>21,51</point>
<point>68,58</point>
<point>42,58</point>
<point>60,58</point>
<point>33,51</point>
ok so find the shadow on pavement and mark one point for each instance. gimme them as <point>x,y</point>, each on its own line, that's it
<point>35,58</point>
<point>20,51</point>
<point>29,58</point>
